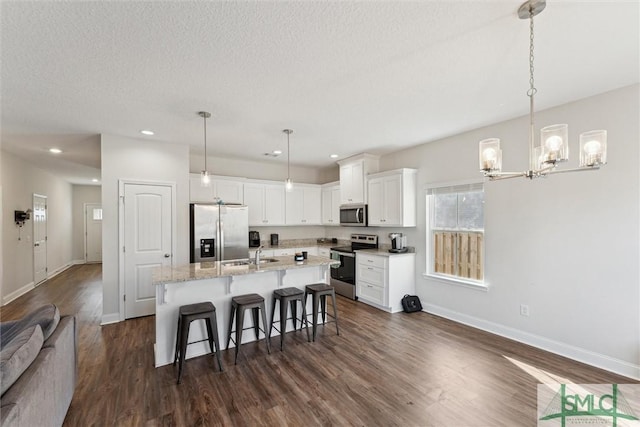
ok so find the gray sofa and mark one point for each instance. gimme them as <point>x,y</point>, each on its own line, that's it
<point>41,394</point>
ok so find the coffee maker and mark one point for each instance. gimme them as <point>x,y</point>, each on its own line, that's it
<point>254,239</point>
<point>398,243</point>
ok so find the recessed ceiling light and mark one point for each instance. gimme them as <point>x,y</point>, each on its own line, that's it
<point>277,152</point>
<point>95,180</point>
<point>147,132</point>
<point>55,150</point>
<point>334,156</point>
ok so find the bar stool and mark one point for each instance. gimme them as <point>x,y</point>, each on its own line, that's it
<point>239,304</point>
<point>290,296</point>
<point>187,314</point>
<point>319,293</point>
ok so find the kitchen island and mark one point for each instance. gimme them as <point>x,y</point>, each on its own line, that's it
<point>218,282</point>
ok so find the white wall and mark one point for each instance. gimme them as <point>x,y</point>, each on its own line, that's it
<point>567,245</point>
<point>144,160</point>
<point>1,229</point>
<point>267,169</point>
<point>17,248</point>
<point>82,194</point>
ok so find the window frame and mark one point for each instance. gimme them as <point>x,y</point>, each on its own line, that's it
<point>456,187</point>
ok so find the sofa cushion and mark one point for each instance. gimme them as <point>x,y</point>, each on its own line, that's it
<point>18,354</point>
<point>46,316</point>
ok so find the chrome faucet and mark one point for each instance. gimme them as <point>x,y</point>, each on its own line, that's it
<point>258,252</point>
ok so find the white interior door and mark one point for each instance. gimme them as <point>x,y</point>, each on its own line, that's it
<point>147,243</point>
<point>39,215</point>
<point>93,232</point>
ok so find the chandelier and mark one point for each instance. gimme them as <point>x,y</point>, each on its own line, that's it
<point>205,176</point>
<point>288,184</point>
<point>554,146</point>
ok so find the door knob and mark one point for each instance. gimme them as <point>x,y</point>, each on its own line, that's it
<point>167,255</point>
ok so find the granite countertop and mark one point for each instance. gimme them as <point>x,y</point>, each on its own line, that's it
<point>211,270</point>
<point>385,252</point>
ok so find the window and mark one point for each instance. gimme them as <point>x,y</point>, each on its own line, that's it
<point>97,214</point>
<point>456,232</point>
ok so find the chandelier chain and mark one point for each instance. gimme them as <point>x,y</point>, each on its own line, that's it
<point>532,89</point>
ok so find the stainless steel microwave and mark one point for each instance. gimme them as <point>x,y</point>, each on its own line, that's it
<point>353,215</point>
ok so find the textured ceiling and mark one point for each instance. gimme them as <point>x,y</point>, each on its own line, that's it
<point>348,77</point>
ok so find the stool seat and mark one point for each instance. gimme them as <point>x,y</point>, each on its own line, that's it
<point>239,304</point>
<point>247,299</point>
<point>198,308</point>
<point>320,287</point>
<point>319,293</point>
<point>288,292</point>
<point>188,313</point>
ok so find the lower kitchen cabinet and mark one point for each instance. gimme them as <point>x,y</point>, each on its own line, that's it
<point>382,280</point>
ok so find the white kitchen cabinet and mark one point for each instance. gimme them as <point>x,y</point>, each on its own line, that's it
<point>382,280</point>
<point>266,203</point>
<point>331,204</point>
<point>303,205</point>
<point>229,190</point>
<point>353,173</point>
<point>392,198</point>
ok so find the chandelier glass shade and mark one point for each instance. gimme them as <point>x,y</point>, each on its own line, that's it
<point>554,140</point>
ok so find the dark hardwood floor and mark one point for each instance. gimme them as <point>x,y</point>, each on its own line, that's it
<point>383,370</point>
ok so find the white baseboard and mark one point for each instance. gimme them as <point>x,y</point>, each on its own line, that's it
<point>576,353</point>
<point>17,293</point>
<point>77,261</point>
<point>54,273</point>
<point>29,286</point>
<point>110,318</point>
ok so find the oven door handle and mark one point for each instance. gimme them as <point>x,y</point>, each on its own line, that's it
<point>350,255</point>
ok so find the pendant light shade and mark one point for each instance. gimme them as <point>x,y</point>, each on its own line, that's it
<point>288,184</point>
<point>205,178</point>
<point>554,140</point>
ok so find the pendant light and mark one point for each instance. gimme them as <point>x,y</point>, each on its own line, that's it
<point>553,148</point>
<point>288,184</point>
<point>205,178</point>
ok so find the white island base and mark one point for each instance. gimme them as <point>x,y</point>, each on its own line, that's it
<point>226,283</point>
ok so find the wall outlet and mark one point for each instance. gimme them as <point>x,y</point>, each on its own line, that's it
<point>524,310</point>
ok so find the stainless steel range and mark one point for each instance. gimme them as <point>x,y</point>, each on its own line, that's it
<point>343,277</point>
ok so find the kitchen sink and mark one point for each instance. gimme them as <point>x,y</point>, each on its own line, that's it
<point>241,262</point>
<point>236,263</point>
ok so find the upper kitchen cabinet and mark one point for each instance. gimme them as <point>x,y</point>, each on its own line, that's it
<point>353,173</point>
<point>303,205</point>
<point>229,190</point>
<point>392,198</point>
<point>266,203</point>
<point>331,204</point>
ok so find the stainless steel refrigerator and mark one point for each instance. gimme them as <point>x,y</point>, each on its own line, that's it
<point>218,232</point>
